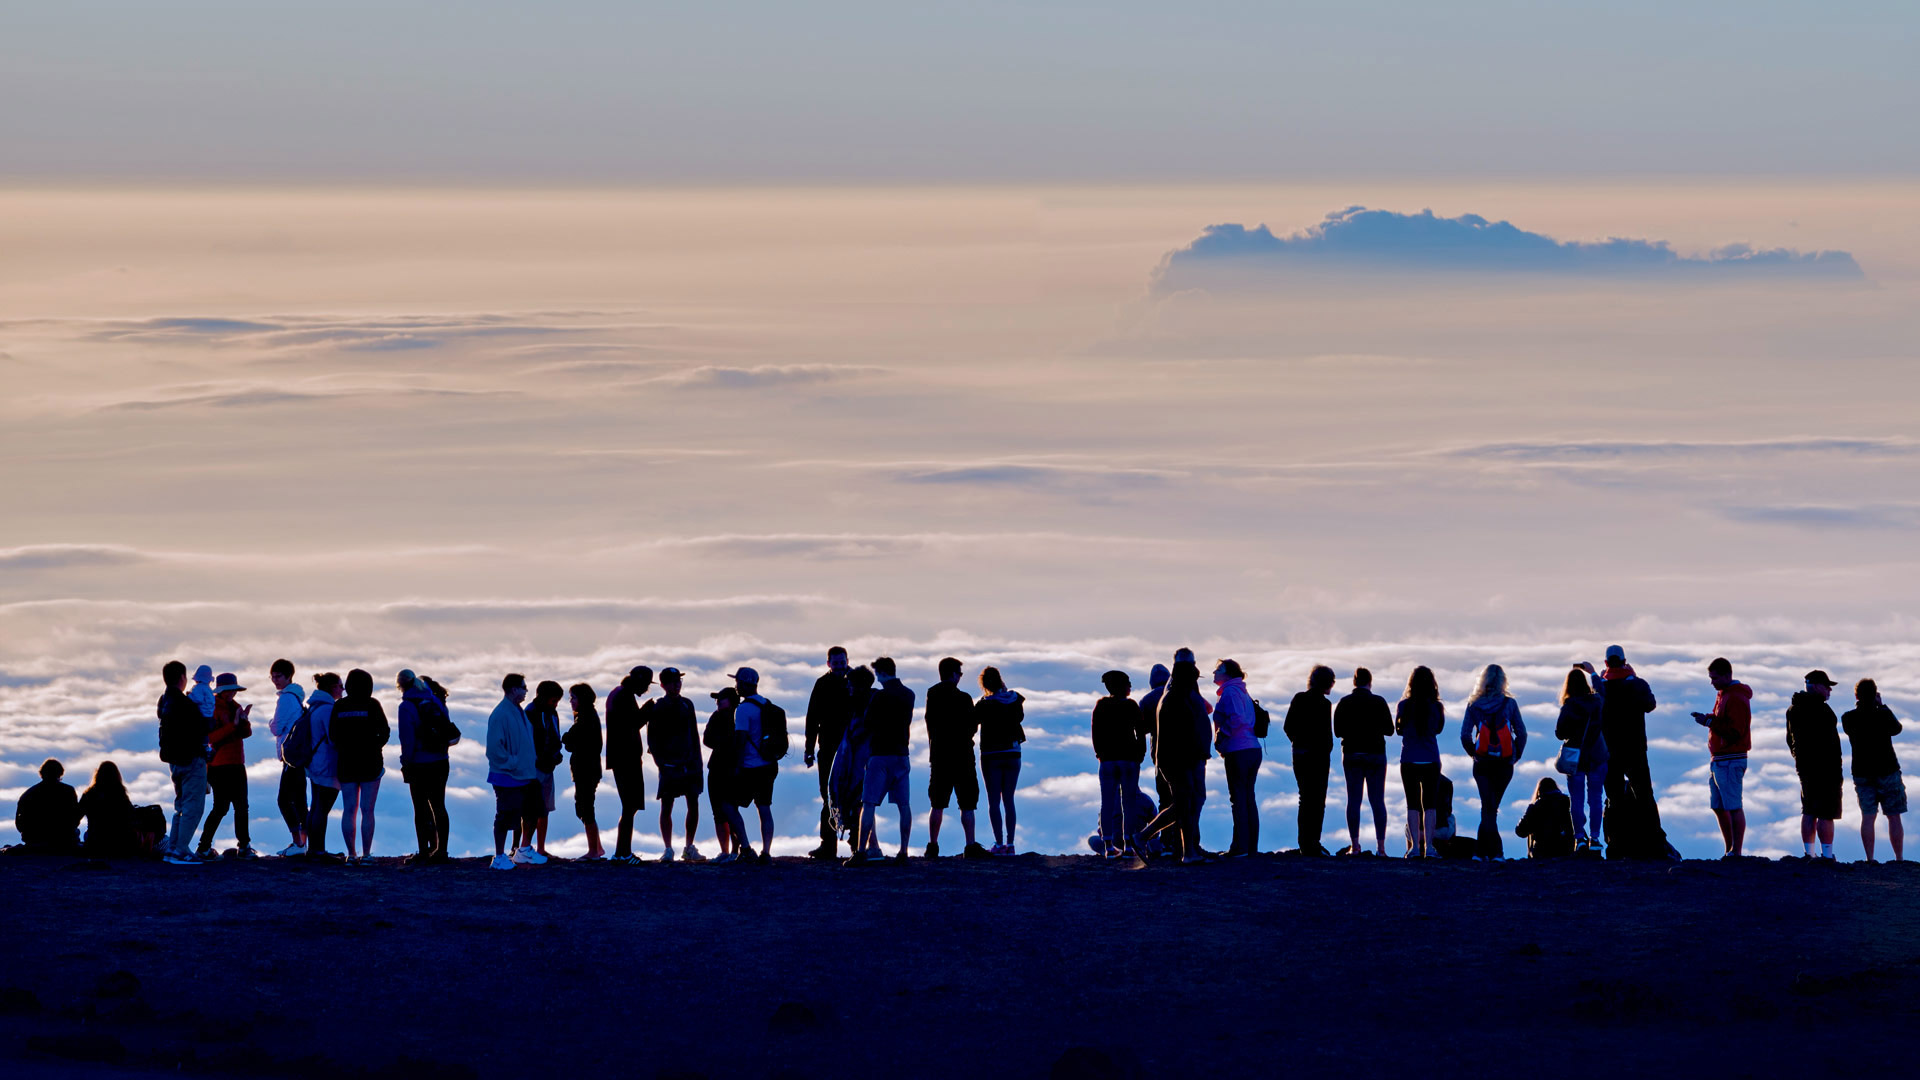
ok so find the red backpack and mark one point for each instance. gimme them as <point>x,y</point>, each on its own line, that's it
<point>1496,737</point>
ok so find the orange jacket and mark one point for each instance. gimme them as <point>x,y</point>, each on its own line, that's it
<point>1730,734</point>
<point>228,731</point>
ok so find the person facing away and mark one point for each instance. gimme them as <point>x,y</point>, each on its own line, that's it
<point>544,717</point>
<point>1813,738</point>
<point>1149,711</point>
<point>1877,783</point>
<point>1419,719</point>
<point>1633,814</point>
<point>676,760</point>
<point>1183,753</point>
<point>1580,726</point>
<point>1495,736</point>
<point>1120,744</point>
<point>889,729</point>
<point>1001,714</point>
<point>426,735</point>
<point>1729,737</point>
<point>1233,724</point>
<point>320,770</point>
<point>828,708</point>
<point>108,812</point>
<point>183,746</point>
<point>47,816</point>
<point>625,759</point>
<point>1362,721</point>
<point>757,774</point>
<point>360,733</point>
<point>583,745</point>
<point>723,768</point>
<point>513,775</point>
<point>1547,824</point>
<point>227,767</point>
<point>289,701</point>
<point>1309,727</point>
<point>951,774</point>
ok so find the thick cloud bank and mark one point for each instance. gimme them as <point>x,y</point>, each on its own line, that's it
<point>1359,239</point>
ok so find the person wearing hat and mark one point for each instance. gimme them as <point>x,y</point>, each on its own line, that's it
<point>1813,737</point>
<point>227,768</point>
<point>1632,826</point>
<point>829,708</point>
<point>676,758</point>
<point>757,774</point>
<point>624,757</point>
<point>951,773</point>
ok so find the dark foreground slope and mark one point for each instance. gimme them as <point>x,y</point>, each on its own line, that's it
<point>1261,968</point>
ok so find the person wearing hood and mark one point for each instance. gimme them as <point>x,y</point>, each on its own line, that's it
<point>827,714</point>
<point>514,776</point>
<point>1309,727</point>
<point>1813,738</point>
<point>360,733</point>
<point>290,700</point>
<point>1419,719</point>
<point>1547,825</point>
<point>227,767</point>
<point>1362,721</point>
<point>426,733</point>
<point>1729,737</point>
<point>625,757</point>
<point>1119,744</point>
<point>1580,727</point>
<point>320,770</point>
<point>1870,728</point>
<point>1633,814</point>
<point>203,694</point>
<point>1240,751</point>
<point>1495,736</point>
<point>1001,714</point>
<point>1149,708</point>
<point>1180,714</point>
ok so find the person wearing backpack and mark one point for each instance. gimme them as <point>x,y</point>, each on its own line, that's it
<point>1362,721</point>
<point>889,769</point>
<point>583,744</point>
<point>1419,719</point>
<point>1580,727</point>
<point>426,733</point>
<point>1547,825</point>
<point>1233,724</point>
<point>359,732</point>
<point>626,757</point>
<point>289,706</point>
<point>320,755</point>
<point>1000,712</point>
<point>227,768</point>
<point>762,727</point>
<point>675,745</point>
<point>1120,745</point>
<point>183,746</point>
<point>1495,736</point>
<point>1309,726</point>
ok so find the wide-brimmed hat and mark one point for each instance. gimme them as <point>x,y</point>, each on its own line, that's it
<point>227,681</point>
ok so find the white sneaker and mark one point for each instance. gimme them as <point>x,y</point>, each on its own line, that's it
<point>176,859</point>
<point>692,854</point>
<point>293,849</point>
<point>518,855</point>
<point>667,856</point>
<point>723,858</point>
<point>528,855</point>
<point>501,862</point>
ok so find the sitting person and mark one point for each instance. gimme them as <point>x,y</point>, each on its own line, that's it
<point>48,816</point>
<point>1446,827</point>
<point>109,815</point>
<point>1547,826</point>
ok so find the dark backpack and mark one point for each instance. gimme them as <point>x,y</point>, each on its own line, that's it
<point>433,729</point>
<point>297,751</point>
<point>774,741</point>
<point>183,730</point>
<point>1262,720</point>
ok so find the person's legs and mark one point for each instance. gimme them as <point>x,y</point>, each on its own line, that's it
<point>1809,829</point>
<point>323,800</point>
<point>435,783</point>
<point>823,765</point>
<point>1129,795</point>
<point>350,818</point>
<point>189,802</point>
<point>1866,832</point>
<point>1352,772</point>
<point>369,798</point>
<point>293,803</point>
<point>693,817</point>
<point>585,786</point>
<point>424,829</point>
<point>990,773</point>
<point>933,825</point>
<point>666,824</point>
<point>1491,778</point>
<point>1577,785</point>
<point>1376,780</point>
<point>1193,799</point>
<point>1110,827</point>
<point>1639,780</point>
<point>1416,805</point>
<point>1009,783</point>
<point>627,784</point>
<point>1242,767</point>
<point>506,811</point>
<point>220,781</point>
<point>766,830</point>
<point>1896,836</point>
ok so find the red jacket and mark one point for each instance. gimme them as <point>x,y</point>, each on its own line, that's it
<point>1730,734</point>
<point>228,730</point>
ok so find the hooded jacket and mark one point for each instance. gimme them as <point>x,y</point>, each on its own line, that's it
<point>1001,715</point>
<point>1150,708</point>
<point>1491,710</point>
<point>1233,719</point>
<point>1813,737</point>
<point>417,701</point>
<point>1730,728</point>
<point>510,746</point>
<point>320,726</point>
<point>359,732</point>
<point>1362,721</point>
<point>287,706</point>
<point>202,692</point>
<point>1180,721</point>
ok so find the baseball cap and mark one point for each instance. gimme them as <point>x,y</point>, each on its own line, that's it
<point>722,695</point>
<point>641,672</point>
<point>745,674</point>
<point>1183,656</point>
<point>1615,652</point>
<point>673,671</point>
<point>1818,677</point>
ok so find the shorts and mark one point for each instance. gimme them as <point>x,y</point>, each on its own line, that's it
<point>953,781</point>
<point>678,782</point>
<point>512,805</point>
<point>754,787</point>
<point>1820,797</point>
<point>546,791</point>
<point>585,787</point>
<point>719,794</point>
<point>1887,795</point>
<point>1421,779</point>
<point>886,780</point>
<point>1723,788</point>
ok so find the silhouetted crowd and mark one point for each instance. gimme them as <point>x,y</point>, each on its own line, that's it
<point>857,736</point>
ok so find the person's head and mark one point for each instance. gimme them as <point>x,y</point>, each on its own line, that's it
<point>670,681</point>
<point>203,674</point>
<point>227,685</point>
<point>582,696</point>
<point>106,779</point>
<point>52,770</point>
<point>1616,656</point>
<point>747,681</point>
<point>638,680</point>
<point>1576,686</point>
<point>1720,672</point>
<point>359,683</point>
<point>990,680</point>
<point>1866,692</point>
<point>548,694</point>
<point>1362,679</point>
<point>1421,685</point>
<point>883,667</point>
<point>1117,683</point>
<point>281,673</point>
<point>861,678</point>
<point>1820,684</point>
<point>328,683</point>
<point>1184,656</point>
<point>1320,680</point>
<point>1546,786</point>
<point>174,674</point>
<point>1157,678</point>
<point>1227,670</point>
<point>407,680</point>
<point>515,687</point>
<point>949,670</point>
<point>435,688</point>
<point>837,658</point>
<point>725,698</point>
<point>1492,684</point>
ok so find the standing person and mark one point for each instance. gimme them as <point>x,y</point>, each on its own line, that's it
<point>360,733</point>
<point>1149,715</point>
<point>289,702</point>
<point>1120,745</point>
<point>1729,737</point>
<point>1240,752</point>
<point>1494,735</point>
<point>757,770</point>
<point>1813,738</point>
<point>320,769</point>
<point>1309,726</point>
<point>544,716</point>
<point>513,774</point>
<point>625,759</point>
<point>1625,701</point>
<point>850,761</point>
<point>1580,725</point>
<point>1000,714</point>
<point>1870,728</point>
<point>950,770</point>
<point>1547,825</point>
<point>426,734</point>
<point>1362,721</point>
<point>183,746</point>
<point>889,735</point>
<point>1179,722</point>
<point>47,817</point>
<point>583,745</point>
<point>723,770</point>
<point>1419,719</point>
<point>227,767</point>
<point>108,813</point>
<point>828,709</point>
<point>676,757</point>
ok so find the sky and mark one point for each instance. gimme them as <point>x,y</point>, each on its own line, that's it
<point>566,340</point>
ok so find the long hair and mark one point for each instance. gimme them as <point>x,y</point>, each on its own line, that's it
<point>990,680</point>
<point>1492,684</point>
<point>106,780</point>
<point>1421,686</point>
<point>1546,786</point>
<point>1576,686</point>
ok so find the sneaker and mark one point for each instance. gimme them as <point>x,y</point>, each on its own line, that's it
<point>975,851</point>
<point>858,858</point>
<point>591,857</point>
<point>721,859</point>
<point>502,862</point>
<point>245,853</point>
<point>933,851</point>
<point>176,859</point>
<point>900,856</point>
<point>528,855</point>
<point>826,850</point>
<point>293,849</point>
<point>666,856</point>
<point>692,854</point>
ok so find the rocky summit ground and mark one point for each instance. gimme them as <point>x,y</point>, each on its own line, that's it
<point>1018,967</point>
